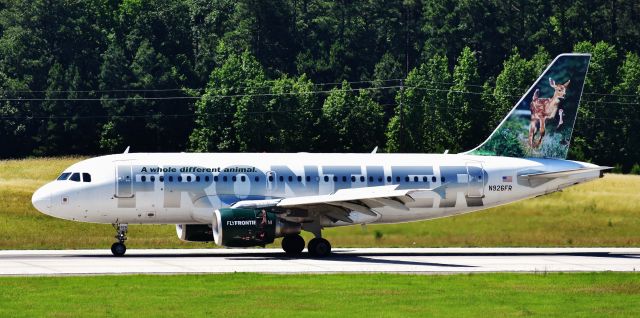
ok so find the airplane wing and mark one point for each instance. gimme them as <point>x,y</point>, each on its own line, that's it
<point>356,199</point>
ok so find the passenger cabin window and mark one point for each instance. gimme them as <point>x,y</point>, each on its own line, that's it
<point>75,177</point>
<point>64,176</point>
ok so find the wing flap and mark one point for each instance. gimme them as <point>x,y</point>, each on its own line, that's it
<point>345,197</point>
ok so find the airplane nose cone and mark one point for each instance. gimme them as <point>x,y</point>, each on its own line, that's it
<point>41,200</point>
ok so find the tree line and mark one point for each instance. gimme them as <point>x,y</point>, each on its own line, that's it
<point>96,76</point>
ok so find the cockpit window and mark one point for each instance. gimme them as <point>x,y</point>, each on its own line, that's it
<point>75,177</point>
<point>86,177</point>
<point>64,176</point>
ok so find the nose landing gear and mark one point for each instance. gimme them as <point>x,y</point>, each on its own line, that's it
<point>118,248</point>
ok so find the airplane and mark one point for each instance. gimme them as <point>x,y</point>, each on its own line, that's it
<point>250,199</point>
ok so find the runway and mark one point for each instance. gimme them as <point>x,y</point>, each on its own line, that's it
<point>345,260</point>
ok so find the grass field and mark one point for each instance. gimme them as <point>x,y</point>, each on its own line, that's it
<point>379,295</point>
<point>605,212</point>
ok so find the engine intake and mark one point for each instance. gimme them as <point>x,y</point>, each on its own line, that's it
<point>241,227</point>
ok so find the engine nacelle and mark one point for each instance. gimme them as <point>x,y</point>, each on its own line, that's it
<point>194,232</point>
<point>241,227</point>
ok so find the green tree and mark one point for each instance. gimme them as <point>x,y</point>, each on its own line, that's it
<point>463,100</point>
<point>70,126</point>
<point>517,75</point>
<point>229,104</point>
<point>115,75</point>
<point>387,73</point>
<point>13,119</point>
<point>419,124</point>
<point>589,129</point>
<point>354,120</point>
<point>293,114</point>
<point>622,129</point>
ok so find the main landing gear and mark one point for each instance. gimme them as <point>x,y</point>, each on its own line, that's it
<point>118,248</point>
<point>294,244</point>
<point>319,247</point>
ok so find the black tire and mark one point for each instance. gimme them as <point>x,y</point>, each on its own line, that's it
<point>293,244</point>
<point>319,247</point>
<point>118,249</point>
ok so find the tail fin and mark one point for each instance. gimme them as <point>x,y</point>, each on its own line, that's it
<point>541,123</point>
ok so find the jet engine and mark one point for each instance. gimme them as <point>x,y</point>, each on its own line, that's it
<point>242,227</point>
<point>194,232</point>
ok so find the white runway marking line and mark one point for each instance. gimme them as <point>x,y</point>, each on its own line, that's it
<point>344,260</point>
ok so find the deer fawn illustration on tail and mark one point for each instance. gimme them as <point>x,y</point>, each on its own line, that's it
<point>543,109</point>
<point>522,133</point>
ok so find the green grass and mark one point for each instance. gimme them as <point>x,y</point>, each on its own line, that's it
<point>375,295</point>
<point>605,212</point>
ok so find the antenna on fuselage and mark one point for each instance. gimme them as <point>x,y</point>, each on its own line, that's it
<point>127,150</point>
<point>375,150</point>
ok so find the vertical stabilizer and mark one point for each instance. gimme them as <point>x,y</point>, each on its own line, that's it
<point>541,123</point>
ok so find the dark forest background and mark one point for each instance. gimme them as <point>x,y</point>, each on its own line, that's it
<point>93,77</point>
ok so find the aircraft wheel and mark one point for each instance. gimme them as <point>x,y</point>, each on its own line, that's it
<point>118,249</point>
<point>319,247</point>
<point>293,244</point>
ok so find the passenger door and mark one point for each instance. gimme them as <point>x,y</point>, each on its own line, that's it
<point>124,181</point>
<point>475,184</point>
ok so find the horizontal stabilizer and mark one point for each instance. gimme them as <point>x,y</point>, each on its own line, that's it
<point>560,174</point>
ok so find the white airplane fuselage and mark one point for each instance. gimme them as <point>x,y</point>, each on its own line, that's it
<point>185,188</point>
<point>249,199</point>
